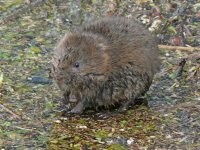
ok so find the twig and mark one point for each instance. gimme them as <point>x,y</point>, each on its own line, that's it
<point>179,48</point>
<point>21,128</point>
<point>9,111</point>
<point>35,130</point>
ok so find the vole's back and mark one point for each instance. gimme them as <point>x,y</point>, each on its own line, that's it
<point>127,41</point>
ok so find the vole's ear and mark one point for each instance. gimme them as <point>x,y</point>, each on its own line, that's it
<point>61,46</point>
<point>63,51</point>
<point>67,35</point>
<point>65,39</point>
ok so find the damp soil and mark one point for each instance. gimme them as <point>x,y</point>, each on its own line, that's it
<point>29,101</point>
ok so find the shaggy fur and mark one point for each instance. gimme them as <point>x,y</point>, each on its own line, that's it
<point>106,62</point>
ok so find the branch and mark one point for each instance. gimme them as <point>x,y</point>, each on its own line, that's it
<point>9,111</point>
<point>179,48</point>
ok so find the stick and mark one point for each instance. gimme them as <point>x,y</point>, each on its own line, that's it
<point>179,48</point>
<point>9,111</point>
<point>21,128</point>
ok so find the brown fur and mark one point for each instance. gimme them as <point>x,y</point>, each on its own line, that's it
<point>117,56</point>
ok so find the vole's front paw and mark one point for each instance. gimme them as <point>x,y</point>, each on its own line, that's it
<point>78,109</point>
<point>75,111</point>
<point>123,107</point>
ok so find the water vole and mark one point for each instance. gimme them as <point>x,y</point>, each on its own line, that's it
<point>106,62</point>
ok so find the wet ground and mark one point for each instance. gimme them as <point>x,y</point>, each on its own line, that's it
<point>29,102</point>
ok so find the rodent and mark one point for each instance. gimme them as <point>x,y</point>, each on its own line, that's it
<point>105,62</point>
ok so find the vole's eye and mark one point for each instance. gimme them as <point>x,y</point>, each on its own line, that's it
<point>76,65</point>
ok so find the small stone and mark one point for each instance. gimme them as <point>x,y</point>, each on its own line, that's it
<point>81,127</point>
<point>130,141</point>
<point>39,80</point>
<point>57,121</point>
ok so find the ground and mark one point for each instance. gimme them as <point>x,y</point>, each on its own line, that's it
<point>29,101</point>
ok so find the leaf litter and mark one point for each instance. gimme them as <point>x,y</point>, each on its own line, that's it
<point>28,111</point>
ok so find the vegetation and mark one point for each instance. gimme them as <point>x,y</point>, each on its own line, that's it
<point>30,117</point>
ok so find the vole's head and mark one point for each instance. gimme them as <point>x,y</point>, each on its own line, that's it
<point>79,56</point>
